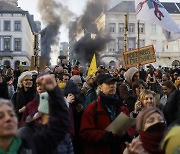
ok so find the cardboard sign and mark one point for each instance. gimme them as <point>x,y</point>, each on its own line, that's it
<point>146,56</point>
<point>41,62</point>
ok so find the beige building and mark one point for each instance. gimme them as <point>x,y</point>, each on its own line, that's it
<point>17,29</point>
<point>112,22</point>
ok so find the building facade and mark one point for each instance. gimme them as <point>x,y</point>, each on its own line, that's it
<point>112,22</point>
<point>16,35</point>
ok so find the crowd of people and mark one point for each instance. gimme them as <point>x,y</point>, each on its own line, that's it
<point>67,111</point>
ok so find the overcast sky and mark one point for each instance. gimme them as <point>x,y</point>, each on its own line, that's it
<point>76,6</point>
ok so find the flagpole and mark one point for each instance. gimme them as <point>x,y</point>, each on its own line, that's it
<point>138,46</point>
<point>125,32</point>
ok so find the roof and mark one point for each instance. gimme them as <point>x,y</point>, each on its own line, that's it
<point>124,6</point>
<point>172,8</point>
<point>7,7</point>
<point>129,6</point>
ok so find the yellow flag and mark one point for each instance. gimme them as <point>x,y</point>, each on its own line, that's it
<point>20,63</point>
<point>93,66</point>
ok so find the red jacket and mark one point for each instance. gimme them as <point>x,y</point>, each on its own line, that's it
<point>92,133</point>
<point>31,107</point>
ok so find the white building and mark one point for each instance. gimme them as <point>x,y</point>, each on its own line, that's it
<point>112,22</point>
<point>16,34</point>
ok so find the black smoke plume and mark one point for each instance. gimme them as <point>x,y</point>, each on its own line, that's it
<point>92,11</point>
<point>85,48</point>
<point>53,14</point>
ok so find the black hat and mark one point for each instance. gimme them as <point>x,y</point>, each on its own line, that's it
<point>105,78</point>
<point>71,87</point>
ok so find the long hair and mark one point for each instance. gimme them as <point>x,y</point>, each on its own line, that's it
<point>144,93</point>
<point>169,84</point>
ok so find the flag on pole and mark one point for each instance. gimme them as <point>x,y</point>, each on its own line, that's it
<point>171,36</point>
<point>153,11</point>
<point>93,66</point>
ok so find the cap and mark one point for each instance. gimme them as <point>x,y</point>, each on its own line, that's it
<point>105,78</point>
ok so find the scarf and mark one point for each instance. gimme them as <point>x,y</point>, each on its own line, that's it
<point>151,138</point>
<point>14,147</point>
<point>110,104</point>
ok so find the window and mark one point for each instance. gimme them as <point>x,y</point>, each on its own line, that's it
<point>121,28</point>
<point>141,43</point>
<point>7,26</point>
<point>154,43</point>
<point>141,28</point>
<point>131,43</point>
<point>112,45</point>
<point>176,46</point>
<point>7,44</point>
<point>17,26</point>
<point>112,27</point>
<point>121,44</point>
<point>153,29</point>
<point>17,44</point>
<point>131,28</point>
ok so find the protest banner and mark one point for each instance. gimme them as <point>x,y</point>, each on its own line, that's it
<point>146,55</point>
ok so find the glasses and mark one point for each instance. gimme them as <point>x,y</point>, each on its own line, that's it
<point>27,80</point>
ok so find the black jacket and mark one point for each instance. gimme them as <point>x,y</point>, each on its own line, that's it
<point>49,136</point>
<point>4,90</point>
<point>22,98</point>
<point>171,110</point>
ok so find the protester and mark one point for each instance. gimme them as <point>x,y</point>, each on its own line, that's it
<point>37,121</point>
<point>145,99</point>
<point>25,94</point>
<point>171,142</point>
<point>3,88</point>
<point>151,126</point>
<point>45,141</point>
<point>32,106</point>
<point>171,109</point>
<point>10,80</point>
<point>98,115</point>
<point>125,89</point>
<point>139,86</point>
<point>70,93</point>
<point>165,77</point>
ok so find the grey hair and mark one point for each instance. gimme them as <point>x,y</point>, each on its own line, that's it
<point>7,102</point>
<point>22,76</point>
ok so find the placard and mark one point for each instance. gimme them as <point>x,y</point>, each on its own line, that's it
<point>146,56</point>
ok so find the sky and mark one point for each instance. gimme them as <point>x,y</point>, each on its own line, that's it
<point>75,6</point>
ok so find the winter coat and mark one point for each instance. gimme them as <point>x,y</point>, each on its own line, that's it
<point>31,107</point>
<point>171,110</point>
<point>90,96</point>
<point>47,139</point>
<point>22,99</point>
<point>3,90</point>
<point>93,133</point>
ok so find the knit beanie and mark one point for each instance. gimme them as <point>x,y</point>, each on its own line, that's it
<point>128,75</point>
<point>171,144</point>
<point>43,103</point>
<point>71,87</point>
<point>144,114</point>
